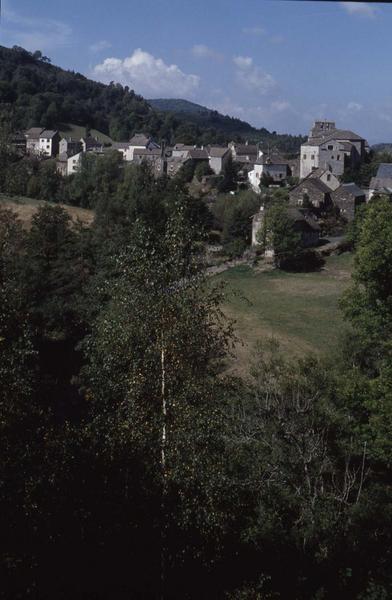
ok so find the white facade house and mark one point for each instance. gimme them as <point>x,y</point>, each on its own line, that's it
<point>266,166</point>
<point>49,143</point>
<point>74,163</point>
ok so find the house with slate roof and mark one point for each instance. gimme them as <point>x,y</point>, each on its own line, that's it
<point>311,191</point>
<point>331,148</point>
<point>347,198</point>
<point>303,223</point>
<point>382,182</point>
<point>272,166</point>
<point>217,158</point>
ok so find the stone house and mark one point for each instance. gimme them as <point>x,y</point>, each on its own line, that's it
<point>217,158</point>
<point>382,182</point>
<point>311,191</point>
<point>32,139</point>
<point>153,157</point>
<point>303,223</point>
<point>90,144</point>
<point>140,141</point>
<point>246,154</point>
<point>347,198</point>
<point>331,149</point>
<point>271,166</point>
<point>70,145</point>
<point>326,177</point>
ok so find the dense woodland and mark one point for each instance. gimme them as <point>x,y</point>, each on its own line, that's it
<point>134,465</point>
<point>35,93</point>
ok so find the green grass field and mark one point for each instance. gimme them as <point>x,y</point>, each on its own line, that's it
<point>300,310</point>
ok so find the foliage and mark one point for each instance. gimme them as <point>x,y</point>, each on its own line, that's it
<point>277,233</point>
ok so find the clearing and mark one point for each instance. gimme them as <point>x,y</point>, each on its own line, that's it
<point>300,310</point>
<point>27,207</point>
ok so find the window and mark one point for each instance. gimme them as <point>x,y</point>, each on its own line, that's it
<point>312,157</point>
<point>338,157</point>
<point>304,156</point>
<point>330,147</point>
<point>328,177</point>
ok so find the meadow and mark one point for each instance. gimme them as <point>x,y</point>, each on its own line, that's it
<point>299,310</point>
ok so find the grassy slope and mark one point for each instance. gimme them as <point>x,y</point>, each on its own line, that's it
<point>77,132</point>
<point>300,310</point>
<point>26,208</point>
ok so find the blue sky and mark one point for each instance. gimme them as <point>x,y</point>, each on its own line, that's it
<point>278,64</point>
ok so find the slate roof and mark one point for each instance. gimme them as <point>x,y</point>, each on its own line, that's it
<point>352,188</point>
<point>336,134</point>
<point>139,139</point>
<point>313,182</point>
<point>217,152</point>
<point>384,171</point>
<point>244,149</point>
<point>198,154</point>
<point>147,152</point>
<point>34,132</point>
<point>299,216</point>
<point>120,145</point>
<point>48,134</point>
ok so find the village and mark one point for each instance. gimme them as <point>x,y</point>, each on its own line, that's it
<point>313,181</point>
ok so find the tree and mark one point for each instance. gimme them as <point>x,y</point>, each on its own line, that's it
<point>153,357</point>
<point>278,234</point>
<point>203,169</point>
<point>228,181</point>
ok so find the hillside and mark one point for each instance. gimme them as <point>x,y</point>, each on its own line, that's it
<point>231,127</point>
<point>34,92</point>
<point>26,208</point>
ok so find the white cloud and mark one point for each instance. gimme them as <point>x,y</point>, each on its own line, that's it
<point>147,75</point>
<point>362,9</point>
<point>203,51</point>
<point>253,30</point>
<point>33,33</point>
<point>243,62</point>
<point>354,107</point>
<point>100,46</point>
<point>253,77</point>
<point>280,106</point>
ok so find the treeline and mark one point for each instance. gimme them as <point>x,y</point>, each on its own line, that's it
<point>34,93</point>
<point>133,465</point>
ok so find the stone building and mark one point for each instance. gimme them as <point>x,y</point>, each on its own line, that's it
<point>271,166</point>
<point>303,223</point>
<point>70,145</point>
<point>347,198</point>
<point>382,182</point>
<point>310,192</point>
<point>331,149</point>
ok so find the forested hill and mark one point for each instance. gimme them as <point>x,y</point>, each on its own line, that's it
<point>231,127</point>
<point>34,92</point>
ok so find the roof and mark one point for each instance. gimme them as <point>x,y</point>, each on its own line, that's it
<point>147,152</point>
<point>48,134</point>
<point>352,188</point>
<point>273,159</point>
<point>245,149</point>
<point>183,147</point>
<point>34,132</point>
<point>336,134</point>
<point>384,171</point>
<point>139,139</point>
<point>217,152</point>
<point>198,154</point>
<point>313,182</point>
<point>302,216</point>
<point>120,145</point>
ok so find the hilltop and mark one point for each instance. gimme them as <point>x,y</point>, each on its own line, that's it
<point>33,92</point>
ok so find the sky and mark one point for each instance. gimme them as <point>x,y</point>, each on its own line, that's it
<point>278,64</point>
